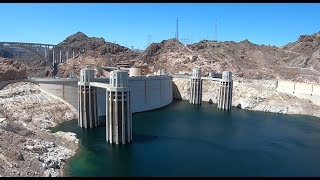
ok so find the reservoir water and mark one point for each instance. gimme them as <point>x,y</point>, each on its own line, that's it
<point>187,140</point>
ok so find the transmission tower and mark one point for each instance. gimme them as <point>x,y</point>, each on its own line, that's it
<point>216,31</point>
<point>177,30</point>
<point>185,41</point>
<point>149,39</point>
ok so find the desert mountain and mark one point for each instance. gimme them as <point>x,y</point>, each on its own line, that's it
<point>98,52</point>
<point>307,52</point>
<point>11,70</point>
<point>297,61</point>
<point>35,66</point>
<point>93,45</point>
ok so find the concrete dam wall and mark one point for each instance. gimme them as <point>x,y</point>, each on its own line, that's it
<point>181,89</point>
<point>66,89</point>
<point>147,93</point>
<point>301,90</point>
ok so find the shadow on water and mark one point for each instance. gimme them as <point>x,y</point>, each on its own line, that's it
<point>102,121</point>
<point>141,138</point>
<point>72,125</point>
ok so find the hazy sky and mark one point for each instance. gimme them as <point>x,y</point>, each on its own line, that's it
<point>129,24</point>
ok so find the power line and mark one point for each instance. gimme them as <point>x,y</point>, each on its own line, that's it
<point>216,31</point>
<point>177,30</point>
<point>184,40</point>
<point>149,37</point>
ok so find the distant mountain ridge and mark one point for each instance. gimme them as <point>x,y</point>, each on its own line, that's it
<point>244,58</point>
<point>299,60</point>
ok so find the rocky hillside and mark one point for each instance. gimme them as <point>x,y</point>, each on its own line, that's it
<point>307,52</point>
<point>297,61</point>
<point>27,148</point>
<point>167,55</point>
<point>36,67</point>
<point>73,66</point>
<point>98,47</point>
<point>250,95</point>
<point>10,70</point>
<point>104,53</point>
<point>92,45</point>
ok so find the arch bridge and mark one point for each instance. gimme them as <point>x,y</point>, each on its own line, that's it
<point>52,54</point>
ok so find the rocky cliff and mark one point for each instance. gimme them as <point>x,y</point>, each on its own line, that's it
<point>35,66</point>
<point>10,70</point>
<point>27,147</point>
<point>307,52</point>
<point>98,52</point>
<point>298,61</point>
<point>250,95</point>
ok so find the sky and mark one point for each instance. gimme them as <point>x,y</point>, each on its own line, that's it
<point>137,24</point>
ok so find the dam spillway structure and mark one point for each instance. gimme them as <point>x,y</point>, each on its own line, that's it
<point>87,100</point>
<point>195,87</point>
<point>118,109</point>
<point>225,93</point>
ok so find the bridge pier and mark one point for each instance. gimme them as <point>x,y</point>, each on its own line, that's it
<point>67,55</point>
<point>60,57</point>
<point>118,109</point>
<point>196,87</point>
<point>46,54</point>
<point>225,94</point>
<point>87,97</point>
<point>53,60</point>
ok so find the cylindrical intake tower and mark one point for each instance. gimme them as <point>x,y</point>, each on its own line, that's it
<point>87,98</point>
<point>118,109</point>
<point>195,87</point>
<point>225,96</point>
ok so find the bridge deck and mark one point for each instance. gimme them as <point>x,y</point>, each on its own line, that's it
<point>38,44</point>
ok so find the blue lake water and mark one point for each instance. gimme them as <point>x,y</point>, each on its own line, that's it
<point>188,140</point>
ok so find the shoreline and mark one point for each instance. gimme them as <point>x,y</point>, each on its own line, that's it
<point>251,95</point>
<point>29,148</point>
<point>266,103</point>
<point>65,167</point>
<point>235,107</point>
